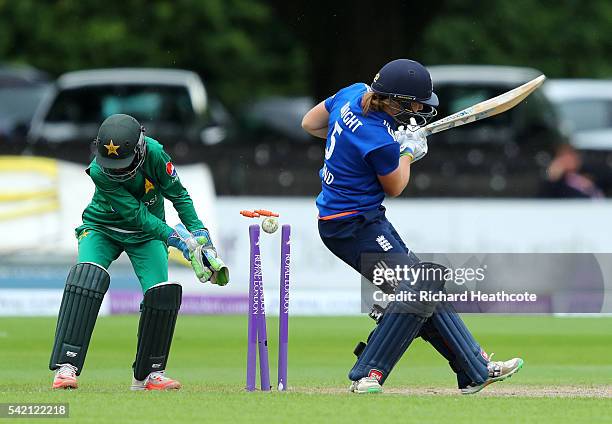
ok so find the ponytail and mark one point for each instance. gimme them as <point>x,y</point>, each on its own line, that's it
<point>372,102</point>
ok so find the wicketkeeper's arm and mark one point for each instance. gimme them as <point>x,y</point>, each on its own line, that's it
<point>134,211</point>
<point>173,190</point>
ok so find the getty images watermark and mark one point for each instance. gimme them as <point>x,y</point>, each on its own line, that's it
<point>490,283</point>
<point>383,274</point>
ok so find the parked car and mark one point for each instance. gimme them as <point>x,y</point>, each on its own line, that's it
<point>585,109</point>
<point>276,117</point>
<point>21,90</point>
<point>501,156</point>
<point>21,75</point>
<point>172,105</point>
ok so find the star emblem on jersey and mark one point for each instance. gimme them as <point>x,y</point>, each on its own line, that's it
<point>112,149</point>
<point>148,186</point>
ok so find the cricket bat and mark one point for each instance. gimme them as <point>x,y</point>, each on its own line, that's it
<point>485,109</point>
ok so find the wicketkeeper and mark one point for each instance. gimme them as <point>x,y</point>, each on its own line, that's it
<point>133,175</point>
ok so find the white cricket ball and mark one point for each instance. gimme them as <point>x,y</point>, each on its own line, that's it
<point>269,224</point>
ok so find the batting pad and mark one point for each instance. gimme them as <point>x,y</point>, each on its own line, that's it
<point>399,325</point>
<point>158,314</point>
<point>386,345</point>
<point>85,288</point>
<point>457,344</point>
<point>430,334</point>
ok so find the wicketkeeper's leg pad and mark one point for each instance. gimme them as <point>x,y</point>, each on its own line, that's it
<point>158,314</point>
<point>86,285</point>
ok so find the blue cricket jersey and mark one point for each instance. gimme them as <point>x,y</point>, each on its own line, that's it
<point>358,148</point>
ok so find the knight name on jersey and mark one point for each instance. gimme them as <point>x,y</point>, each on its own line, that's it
<point>349,118</point>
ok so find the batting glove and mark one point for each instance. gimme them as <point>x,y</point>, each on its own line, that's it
<point>412,141</point>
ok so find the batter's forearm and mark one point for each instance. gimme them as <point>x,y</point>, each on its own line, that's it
<point>394,183</point>
<point>405,163</point>
<point>404,178</point>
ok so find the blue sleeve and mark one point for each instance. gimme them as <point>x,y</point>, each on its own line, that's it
<point>385,159</point>
<point>329,103</point>
<point>351,89</point>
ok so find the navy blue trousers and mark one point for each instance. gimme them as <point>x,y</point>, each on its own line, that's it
<point>370,232</point>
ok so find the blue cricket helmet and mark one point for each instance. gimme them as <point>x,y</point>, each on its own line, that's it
<point>405,79</point>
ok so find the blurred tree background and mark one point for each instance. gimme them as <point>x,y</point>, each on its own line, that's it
<point>244,49</point>
<point>239,47</point>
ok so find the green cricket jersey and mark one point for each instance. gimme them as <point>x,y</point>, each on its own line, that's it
<point>132,211</point>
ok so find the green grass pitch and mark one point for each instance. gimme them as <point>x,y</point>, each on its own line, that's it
<point>567,375</point>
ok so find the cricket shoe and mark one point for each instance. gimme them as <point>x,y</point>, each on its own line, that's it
<point>366,385</point>
<point>156,381</point>
<point>498,371</point>
<point>65,377</point>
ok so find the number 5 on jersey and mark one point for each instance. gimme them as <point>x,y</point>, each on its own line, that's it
<point>332,140</point>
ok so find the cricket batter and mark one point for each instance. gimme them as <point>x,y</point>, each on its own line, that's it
<point>132,174</point>
<point>367,156</point>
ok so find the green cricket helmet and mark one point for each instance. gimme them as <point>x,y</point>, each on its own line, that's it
<point>120,146</point>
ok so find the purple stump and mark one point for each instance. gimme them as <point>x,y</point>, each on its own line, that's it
<point>252,319</point>
<point>283,311</point>
<point>262,336</point>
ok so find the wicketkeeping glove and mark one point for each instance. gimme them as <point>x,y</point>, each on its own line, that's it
<point>203,256</point>
<point>203,237</point>
<point>208,266</point>
<point>175,241</point>
<point>412,140</point>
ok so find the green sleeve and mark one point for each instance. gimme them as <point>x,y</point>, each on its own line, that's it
<point>172,189</point>
<point>133,210</point>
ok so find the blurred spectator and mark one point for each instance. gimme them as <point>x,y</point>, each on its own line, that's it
<point>567,178</point>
